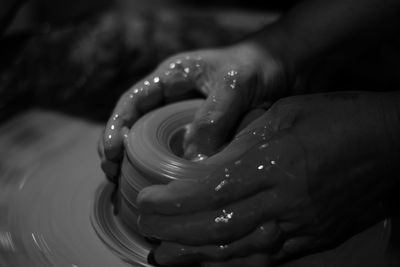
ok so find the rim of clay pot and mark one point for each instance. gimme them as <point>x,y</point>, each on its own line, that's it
<point>149,144</point>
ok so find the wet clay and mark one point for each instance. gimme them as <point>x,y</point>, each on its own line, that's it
<point>55,204</point>
<point>151,159</point>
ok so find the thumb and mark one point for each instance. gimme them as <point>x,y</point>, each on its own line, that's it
<point>244,138</point>
<point>214,123</point>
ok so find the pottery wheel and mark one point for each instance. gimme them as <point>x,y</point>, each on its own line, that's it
<point>55,207</point>
<point>50,180</point>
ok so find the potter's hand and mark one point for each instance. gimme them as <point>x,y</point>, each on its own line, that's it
<point>232,79</point>
<point>305,176</point>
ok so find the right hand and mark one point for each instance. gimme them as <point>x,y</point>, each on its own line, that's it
<point>233,80</point>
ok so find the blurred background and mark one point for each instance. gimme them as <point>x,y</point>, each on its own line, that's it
<point>79,56</point>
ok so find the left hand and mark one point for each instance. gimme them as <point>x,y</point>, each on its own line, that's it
<point>289,185</point>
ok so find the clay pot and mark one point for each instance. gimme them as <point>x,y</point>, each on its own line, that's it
<point>153,151</point>
<point>153,155</point>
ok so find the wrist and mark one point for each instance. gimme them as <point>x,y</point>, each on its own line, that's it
<point>275,44</point>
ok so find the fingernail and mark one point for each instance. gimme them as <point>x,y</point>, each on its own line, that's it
<point>151,259</point>
<point>152,240</point>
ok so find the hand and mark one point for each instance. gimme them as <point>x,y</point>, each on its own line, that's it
<point>233,79</point>
<point>305,176</point>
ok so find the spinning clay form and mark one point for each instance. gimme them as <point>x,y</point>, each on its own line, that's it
<point>62,214</point>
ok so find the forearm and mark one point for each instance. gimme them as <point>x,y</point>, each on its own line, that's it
<point>313,28</point>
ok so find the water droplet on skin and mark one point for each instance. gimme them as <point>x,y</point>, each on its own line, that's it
<point>147,83</point>
<point>225,217</point>
<point>238,162</point>
<point>260,167</point>
<point>130,95</point>
<point>199,157</point>
<point>197,65</point>
<point>109,136</point>
<point>223,246</point>
<point>227,174</point>
<point>212,121</point>
<point>116,116</point>
<point>179,61</point>
<point>135,91</point>
<point>112,127</point>
<point>273,162</point>
<point>156,79</point>
<point>263,146</point>
<point>232,73</point>
<point>221,185</point>
<point>186,70</point>
<point>172,65</point>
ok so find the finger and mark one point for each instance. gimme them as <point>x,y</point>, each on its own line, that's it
<point>110,168</point>
<point>249,118</point>
<point>253,130</point>
<point>182,75</point>
<point>226,184</point>
<point>213,227</point>
<point>265,238</point>
<point>170,82</point>
<point>214,122</point>
<point>142,97</point>
<point>256,260</point>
